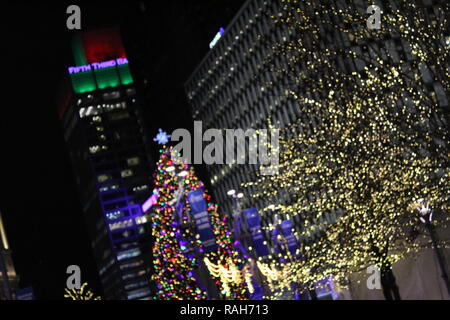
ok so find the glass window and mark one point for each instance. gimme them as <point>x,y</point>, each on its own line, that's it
<point>116,214</point>
<point>128,254</point>
<point>103,177</point>
<point>121,224</point>
<point>111,95</point>
<point>133,161</point>
<point>126,173</point>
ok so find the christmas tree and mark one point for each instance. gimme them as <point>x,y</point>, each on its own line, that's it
<point>178,247</point>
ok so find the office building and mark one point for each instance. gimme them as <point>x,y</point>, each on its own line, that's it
<point>234,87</point>
<point>9,280</point>
<point>223,91</point>
<point>103,127</point>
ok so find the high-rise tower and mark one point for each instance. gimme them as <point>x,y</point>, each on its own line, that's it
<point>8,277</point>
<point>103,128</point>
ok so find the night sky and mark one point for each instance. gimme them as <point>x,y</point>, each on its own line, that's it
<point>39,202</point>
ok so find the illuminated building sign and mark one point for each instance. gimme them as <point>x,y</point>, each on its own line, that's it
<point>216,38</point>
<point>100,75</point>
<point>98,65</point>
<point>95,68</point>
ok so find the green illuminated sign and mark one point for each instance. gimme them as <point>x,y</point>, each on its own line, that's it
<point>102,75</point>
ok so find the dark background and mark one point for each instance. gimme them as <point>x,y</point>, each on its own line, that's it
<point>164,40</point>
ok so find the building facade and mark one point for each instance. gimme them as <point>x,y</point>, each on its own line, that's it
<point>9,280</point>
<point>103,128</point>
<point>227,91</point>
<point>233,86</point>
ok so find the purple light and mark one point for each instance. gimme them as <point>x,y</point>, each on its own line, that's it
<point>80,69</point>
<point>98,65</point>
<point>121,61</point>
<point>105,64</point>
<point>221,31</point>
<point>150,202</point>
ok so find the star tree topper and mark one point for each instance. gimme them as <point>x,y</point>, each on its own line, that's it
<point>162,137</point>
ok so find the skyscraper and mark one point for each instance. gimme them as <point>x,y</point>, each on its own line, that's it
<point>103,128</point>
<point>223,92</point>
<point>8,278</point>
<point>234,86</point>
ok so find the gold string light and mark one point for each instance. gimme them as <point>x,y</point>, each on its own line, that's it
<point>80,294</point>
<point>371,138</point>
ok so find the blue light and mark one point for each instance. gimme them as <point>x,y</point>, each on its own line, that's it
<point>162,137</point>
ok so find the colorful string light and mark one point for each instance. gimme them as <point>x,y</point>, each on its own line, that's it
<point>172,264</point>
